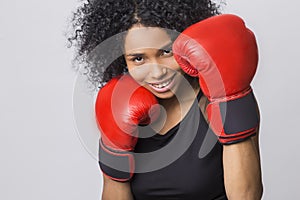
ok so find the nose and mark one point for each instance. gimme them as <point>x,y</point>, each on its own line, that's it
<point>157,70</point>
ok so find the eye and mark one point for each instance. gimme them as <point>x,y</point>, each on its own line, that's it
<point>137,59</point>
<point>167,52</point>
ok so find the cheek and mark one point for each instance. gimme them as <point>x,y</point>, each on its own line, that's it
<point>171,63</point>
<point>139,73</point>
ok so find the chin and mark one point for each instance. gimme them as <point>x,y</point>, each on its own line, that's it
<point>166,95</point>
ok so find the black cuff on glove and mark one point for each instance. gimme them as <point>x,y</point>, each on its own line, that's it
<point>240,119</point>
<point>245,109</point>
<point>118,165</point>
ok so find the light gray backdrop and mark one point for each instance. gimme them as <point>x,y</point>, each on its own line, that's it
<point>41,154</point>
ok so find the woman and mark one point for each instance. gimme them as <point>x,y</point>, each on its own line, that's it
<point>154,70</point>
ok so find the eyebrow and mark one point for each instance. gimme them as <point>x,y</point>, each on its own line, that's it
<point>135,54</point>
<point>169,44</point>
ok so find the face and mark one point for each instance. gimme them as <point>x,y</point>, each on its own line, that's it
<point>150,61</point>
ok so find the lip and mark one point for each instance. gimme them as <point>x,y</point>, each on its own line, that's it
<point>163,81</point>
<point>165,88</point>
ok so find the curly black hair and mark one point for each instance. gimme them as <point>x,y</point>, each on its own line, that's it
<point>95,21</point>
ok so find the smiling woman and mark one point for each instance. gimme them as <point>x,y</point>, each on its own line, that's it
<point>151,61</point>
<point>96,21</point>
<point>166,97</point>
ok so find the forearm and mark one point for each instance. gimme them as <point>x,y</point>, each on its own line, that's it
<point>113,190</point>
<point>242,173</point>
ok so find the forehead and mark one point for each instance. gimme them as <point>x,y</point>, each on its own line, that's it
<point>140,37</point>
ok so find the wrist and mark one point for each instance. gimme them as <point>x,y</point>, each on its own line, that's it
<point>117,165</point>
<point>234,121</point>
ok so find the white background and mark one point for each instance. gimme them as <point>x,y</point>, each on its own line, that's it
<point>41,156</point>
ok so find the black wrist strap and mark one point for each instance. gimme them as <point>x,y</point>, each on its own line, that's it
<point>240,115</point>
<point>118,165</point>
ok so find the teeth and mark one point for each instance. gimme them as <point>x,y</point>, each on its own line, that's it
<point>161,85</point>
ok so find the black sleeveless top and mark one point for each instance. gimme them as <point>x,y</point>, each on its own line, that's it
<point>185,163</point>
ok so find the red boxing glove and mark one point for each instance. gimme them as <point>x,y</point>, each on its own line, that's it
<point>223,53</point>
<point>121,105</point>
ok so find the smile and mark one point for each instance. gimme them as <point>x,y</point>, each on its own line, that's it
<point>161,85</point>
<point>164,85</point>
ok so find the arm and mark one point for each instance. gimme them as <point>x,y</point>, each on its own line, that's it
<point>225,65</point>
<point>242,171</point>
<point>114,190</point>
<point>225,73</point>
<point>117,121</point>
